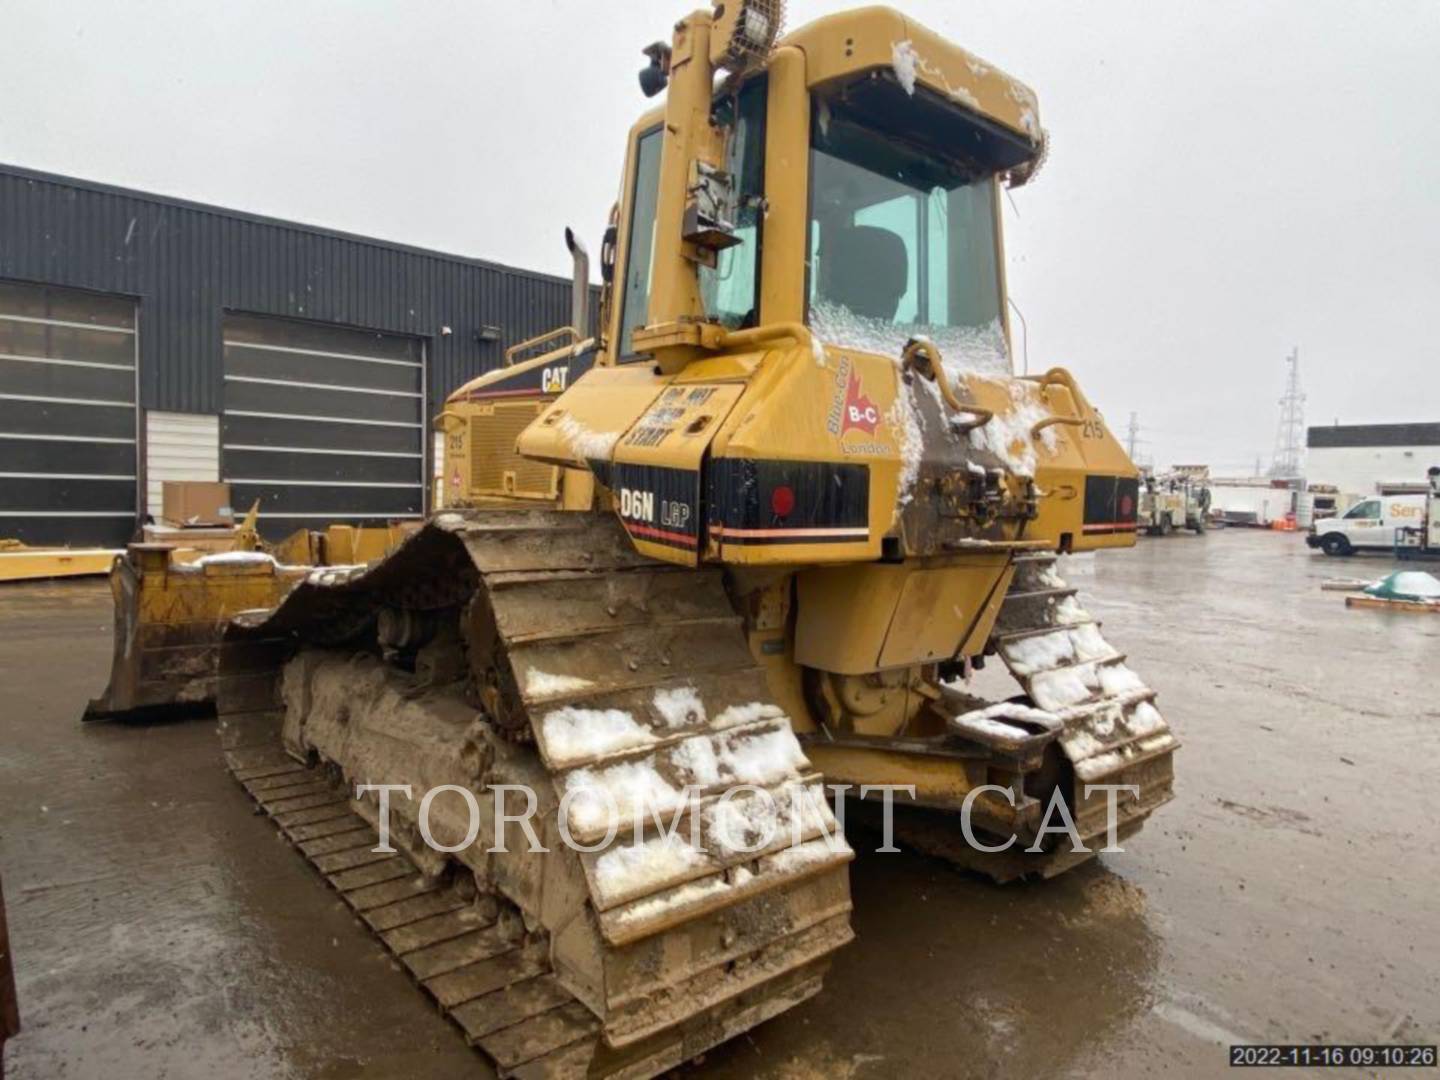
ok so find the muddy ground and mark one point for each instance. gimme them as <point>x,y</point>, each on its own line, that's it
<point>1291,892</point>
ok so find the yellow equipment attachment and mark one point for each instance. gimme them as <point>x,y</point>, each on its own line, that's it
<point>172,604</point>
<point>760,527</point>
<point>20,562</point>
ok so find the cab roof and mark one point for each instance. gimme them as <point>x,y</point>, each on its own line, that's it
<point>847,44</point>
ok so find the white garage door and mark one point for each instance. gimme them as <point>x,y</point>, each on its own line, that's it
<point>67,416</point>
<point>322,423</point>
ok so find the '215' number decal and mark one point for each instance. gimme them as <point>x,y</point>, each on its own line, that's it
<point>1093,429</point>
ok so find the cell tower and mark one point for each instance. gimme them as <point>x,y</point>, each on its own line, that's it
<point>1133,436</point>
<point>1289,461</point>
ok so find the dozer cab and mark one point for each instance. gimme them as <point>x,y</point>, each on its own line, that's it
<point>754,529</point>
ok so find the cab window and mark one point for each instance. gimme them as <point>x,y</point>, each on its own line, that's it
<point>731,291</point>
<point>901,243</point>
<point>1370,508</point>
<point>640,245</point>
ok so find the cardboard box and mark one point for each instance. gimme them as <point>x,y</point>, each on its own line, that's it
<point>196,502</point>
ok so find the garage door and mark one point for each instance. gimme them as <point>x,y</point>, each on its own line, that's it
<point>322,423</point>
<point>67,416</point>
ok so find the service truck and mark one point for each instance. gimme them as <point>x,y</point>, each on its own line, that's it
<point>1404,524</point>
<point>1174,501</point>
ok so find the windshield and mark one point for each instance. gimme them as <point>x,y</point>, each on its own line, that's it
<point>1369,509</point>
<point>901,245</point>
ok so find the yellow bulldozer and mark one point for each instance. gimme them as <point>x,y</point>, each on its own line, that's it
<point>756,529</point>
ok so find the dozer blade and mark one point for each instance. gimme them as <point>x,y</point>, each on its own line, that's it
<point>603,683</point>
<point>169,616</point>
<point>172,604</point>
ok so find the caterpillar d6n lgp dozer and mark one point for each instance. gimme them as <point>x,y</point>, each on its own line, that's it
<point>753,532</point>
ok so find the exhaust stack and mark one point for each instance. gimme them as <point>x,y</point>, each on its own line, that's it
<point>580,285</point>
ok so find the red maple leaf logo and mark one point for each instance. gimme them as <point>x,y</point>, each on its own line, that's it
<point>860,411</point>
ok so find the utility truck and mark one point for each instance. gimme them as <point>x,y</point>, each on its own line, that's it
<point>1404,524</point>
<point>1173,501</point>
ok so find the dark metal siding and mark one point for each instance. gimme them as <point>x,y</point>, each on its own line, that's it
<point>68,450</point>
<point>361,402</point>
<point>1375,435</point>
<point>188,263</point>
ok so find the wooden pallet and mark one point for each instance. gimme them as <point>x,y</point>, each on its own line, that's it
<point>1419,607</point>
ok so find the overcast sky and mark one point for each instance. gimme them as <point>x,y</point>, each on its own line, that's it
<point>1227,179</point>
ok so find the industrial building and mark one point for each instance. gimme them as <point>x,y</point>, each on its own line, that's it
<point>1359,459</point>
<point>146,338</point>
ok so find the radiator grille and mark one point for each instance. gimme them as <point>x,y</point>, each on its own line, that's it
<point>495,468</point>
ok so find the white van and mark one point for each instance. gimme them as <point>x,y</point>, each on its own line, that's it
<point>1369,524</point>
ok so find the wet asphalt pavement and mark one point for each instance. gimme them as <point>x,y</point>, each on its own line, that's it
<point>1291,892</point>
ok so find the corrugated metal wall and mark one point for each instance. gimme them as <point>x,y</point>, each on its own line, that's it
<point>187,264</point>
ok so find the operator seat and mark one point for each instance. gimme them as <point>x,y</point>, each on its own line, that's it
<point>867,269</point>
